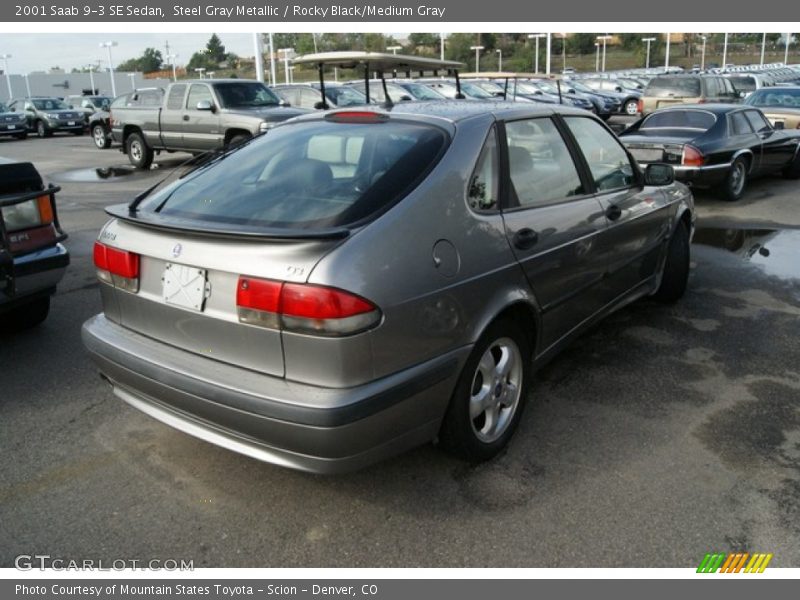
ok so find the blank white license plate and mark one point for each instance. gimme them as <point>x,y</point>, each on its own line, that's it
<point>11,127</point>
<point>185,286</point>
<point>647,154</point>
<point>70,122</point>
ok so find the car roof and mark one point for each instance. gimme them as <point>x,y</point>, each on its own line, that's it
<point>460,110</point>
<point>717,109</point>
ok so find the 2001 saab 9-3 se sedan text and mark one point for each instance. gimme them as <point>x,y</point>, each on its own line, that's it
<point>355,283</point>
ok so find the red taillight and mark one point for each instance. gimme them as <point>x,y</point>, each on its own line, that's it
<point>640,106</point>
<point>303,308</point>
<point>118,267</point>
<point>692,157</point>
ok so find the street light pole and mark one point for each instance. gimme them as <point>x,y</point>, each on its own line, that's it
<point>500,59</point>
<point>90,68</point>
<point>536,36</point>
<point>394,49</point>
<point>604,39</point>
<point>763,47</point>
<point>725,52</point>
<point>258,47</point>
<point>597,57</point>
<point>108,46</point>
<point>477,57</point>
<point>441,46</point>
<point>547,57</point>
<point>703,55</point>
<point>172,57</point>
<point>286,61</point>
<point>647,41</point>
<point>666,56</point>
<point>133,81</point>
<point>27,85</point>
<point>564,52</point>
<point>5,58</point>
<point>272,73</point>
<point>786,52</point>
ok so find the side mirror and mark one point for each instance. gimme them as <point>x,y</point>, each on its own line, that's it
<point>320,106</point>
<point>658,174</point>
<point>283,103</point>
<point>571,91</point>
<point>779,125</point>
<point>405,98</point>
<point>205,105</point>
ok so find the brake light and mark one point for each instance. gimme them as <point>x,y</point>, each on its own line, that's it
<point>119,268</point>
<point>303,308</point>
<point>640,106</point>
<point>357,116</point>
<point>692,157</point>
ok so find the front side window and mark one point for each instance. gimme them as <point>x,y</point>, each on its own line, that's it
<point>757,120</point>
<point>175,99</point>
<point>198,93</point>
<point>307,175</point>
<point>245,94</point>
<point>540,166</point>
<point>608,162</point>
<point>485,181</point>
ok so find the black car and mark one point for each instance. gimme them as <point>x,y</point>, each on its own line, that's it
<point>13,123</point>
<point>47,115</point>
<point>628,98</point>
<point>715,145</point>
<point>32,258</point>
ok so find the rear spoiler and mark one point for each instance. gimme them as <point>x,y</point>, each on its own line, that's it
<point>224,230</point>
<point>378,62</point>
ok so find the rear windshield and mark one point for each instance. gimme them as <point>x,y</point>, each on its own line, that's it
<point>307,175</point>
<point>786,97</point>
<point>677,87</point>
<point>679,119</point>
<point>345,96</point>
<point>421,92</point>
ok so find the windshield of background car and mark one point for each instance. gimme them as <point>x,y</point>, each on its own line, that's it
<point>50,104</point>
<point>245,94</point>
<point>776,97</point>
<point>101,102</point>
<point>679,119</point>
<point>743,83</point>
<point>345,96</point>
<point>677,87</point>
<point>422,92</point>
<point>472,90</point>
<point>527,88</point>
<point>581,88</point>
<point>4,108</point>
<point>307,175</point>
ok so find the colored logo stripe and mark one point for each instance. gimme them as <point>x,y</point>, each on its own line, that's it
<point>734,562</point>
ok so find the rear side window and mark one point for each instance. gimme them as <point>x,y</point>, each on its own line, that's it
<point>609,163</point>
<point>175,99</point>
<point>679,119</point>
<point>308,175</point>
<point>739,124</point>
<point>757,120</point>
<point>540,165</point>
<point>484,183</point>
<point>198,93</point>
<point>677,87</point>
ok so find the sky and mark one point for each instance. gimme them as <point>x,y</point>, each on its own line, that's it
<point>42,51</point>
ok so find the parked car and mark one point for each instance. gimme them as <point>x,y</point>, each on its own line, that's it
<point>46,116</point>
<point>449,90</point>
<point>88,105</point>
<point>307,95</point>
<point>359,282</point>
<point>715,145</point>
<point>397,93</point>
<point>628,98</point>
<point>197,116</point>
<point>418,90</point>
<point>747,83</point>
<point>32,259</point>
<point>13,123</point>
<point>605,105</point>
<point>536,87</point>
<point>668,90</point>
<point>781,105</point>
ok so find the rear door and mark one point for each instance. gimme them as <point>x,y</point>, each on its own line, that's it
<point>171,121</point>
<point>552,225</point>
<point>742,135</point>
<point>638,217</point>
<point>776,152</point>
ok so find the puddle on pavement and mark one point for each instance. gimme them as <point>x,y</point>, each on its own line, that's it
<point>99,174</point>
<point>774,250</point>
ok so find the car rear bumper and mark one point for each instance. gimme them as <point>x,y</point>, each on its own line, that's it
<point>321,430</point>
<point>706,176</point>
<point>33,274</point>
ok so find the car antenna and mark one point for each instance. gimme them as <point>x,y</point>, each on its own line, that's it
<point>388,102</point>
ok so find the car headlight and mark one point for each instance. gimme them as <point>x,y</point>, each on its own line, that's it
<point>51,115</point>
<point>264,126</point>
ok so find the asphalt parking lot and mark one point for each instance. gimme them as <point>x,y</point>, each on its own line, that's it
<point>662,434</point>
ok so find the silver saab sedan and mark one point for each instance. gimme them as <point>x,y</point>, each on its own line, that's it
<point>359,282</point>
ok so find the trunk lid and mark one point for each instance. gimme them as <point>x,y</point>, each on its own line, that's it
<point>655,148</point>
<point>187,289</point>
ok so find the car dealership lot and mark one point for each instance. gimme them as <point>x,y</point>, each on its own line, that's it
<point>663,434</point>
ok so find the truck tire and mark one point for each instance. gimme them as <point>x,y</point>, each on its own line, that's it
<point>792,170</point>
<point>238,139</point>
<point>101,137</point>
<point>139,153</point>
<point>42,130</point>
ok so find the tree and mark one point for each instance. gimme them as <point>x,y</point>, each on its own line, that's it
<point>214,56</point>
<point>582,43</point>
<point>150,61</point>
<point>215,51</point>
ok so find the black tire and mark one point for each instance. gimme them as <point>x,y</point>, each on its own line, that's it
<point>21,136</point>
<point>676,267</point>
<point>631,107</point>
<point>605,117</point>
<point>792,171</point>
<point>462,432</point>
<point>139,153</point>
<point>25,317</point>
<point>735,181</point>
<point>238,139</point>
<point>78,132</point>
<point>101,137</point>
<point>42,130</point>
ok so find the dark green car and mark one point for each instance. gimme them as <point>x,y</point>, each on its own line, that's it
<point>46,116</point>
